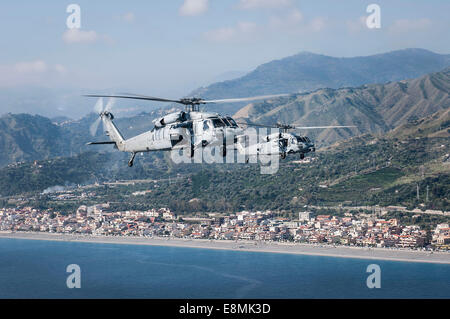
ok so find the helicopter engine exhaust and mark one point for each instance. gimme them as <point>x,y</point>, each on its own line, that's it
<point>171,118</point>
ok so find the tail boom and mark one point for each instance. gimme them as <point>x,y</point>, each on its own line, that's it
<point>112,131</point>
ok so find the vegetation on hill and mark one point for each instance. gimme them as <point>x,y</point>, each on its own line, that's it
<point>365,170</point>
<point>372,108</point>
<point>25,137</point>
<point>401,144</point>
<point>375,108</point>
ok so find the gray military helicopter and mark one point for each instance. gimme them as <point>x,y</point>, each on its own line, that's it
<point>193,129</point>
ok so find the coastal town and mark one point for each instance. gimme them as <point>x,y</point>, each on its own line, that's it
<point>352,229</point>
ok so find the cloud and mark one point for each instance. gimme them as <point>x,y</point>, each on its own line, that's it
<point>61,69</point>
<point>406,25</point>
<point>294,22</point>
<point>221,34</point>
<point>246,27</point>
<point>317,24</point>
<point>357,25</point>
<point>240,31</point>
<point>37,66</point>
<point>258,4</point>
<point>193,7</point>
<point>289,20</point>
<point>80,36</point>
<point>128,17</point>
<point>76,36</point>
<point>30,72</point>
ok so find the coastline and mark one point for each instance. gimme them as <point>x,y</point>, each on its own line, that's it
<point>249,246</point>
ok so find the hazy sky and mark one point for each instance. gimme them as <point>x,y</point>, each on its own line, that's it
<point>169,48</point>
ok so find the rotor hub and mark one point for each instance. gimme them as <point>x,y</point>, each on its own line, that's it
<point>285,127</point>
<point>192,104</point>
<point>107,114</point>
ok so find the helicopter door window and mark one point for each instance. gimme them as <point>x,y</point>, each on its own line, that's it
<point>218,123</point>
<point>205,126</point>
<point>224,121</point>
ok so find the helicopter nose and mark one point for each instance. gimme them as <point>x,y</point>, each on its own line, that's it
<point>309,147</point>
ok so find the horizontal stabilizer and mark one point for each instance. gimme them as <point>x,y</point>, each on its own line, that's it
<point>100,143</point>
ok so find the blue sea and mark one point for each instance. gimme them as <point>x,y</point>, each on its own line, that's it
<point>37,269</point>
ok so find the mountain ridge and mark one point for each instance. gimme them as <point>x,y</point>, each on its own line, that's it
<point>375,108</point>
<point>308,71</point>
<point>39,138</point>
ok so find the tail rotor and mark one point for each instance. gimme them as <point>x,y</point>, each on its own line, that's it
<point>100,110</point>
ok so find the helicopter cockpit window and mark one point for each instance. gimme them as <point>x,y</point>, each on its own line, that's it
<point>205,126</point>
<point>225,120</point>
<point>232,122</point>
<point>218,123</point>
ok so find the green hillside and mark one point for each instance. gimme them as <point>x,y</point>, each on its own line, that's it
<point>365,170</point>
<point>375,108</point>
<point>25,137</point>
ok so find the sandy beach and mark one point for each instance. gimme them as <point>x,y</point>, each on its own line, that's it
<point>267,247</point>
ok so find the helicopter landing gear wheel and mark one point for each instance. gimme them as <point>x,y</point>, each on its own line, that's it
<point>302,156</point>
<point>131,161</point>
<point>283,155</point>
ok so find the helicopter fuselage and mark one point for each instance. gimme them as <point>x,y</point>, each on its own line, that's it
<point>197,130</point>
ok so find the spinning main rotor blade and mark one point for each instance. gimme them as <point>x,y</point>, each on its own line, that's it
<point>245,99</point>
<point>187,101</point>
<point>136,97</point>
<point>319,127</point>
<point>255,124</point>
<point>296,127</point>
